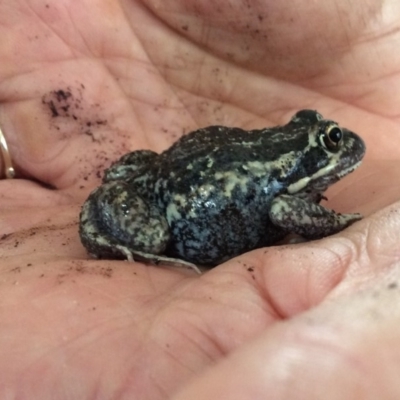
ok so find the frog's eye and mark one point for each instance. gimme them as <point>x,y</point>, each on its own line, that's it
<point>332,138</point>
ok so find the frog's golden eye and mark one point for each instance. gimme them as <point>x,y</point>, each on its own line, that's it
<point>332,138</point>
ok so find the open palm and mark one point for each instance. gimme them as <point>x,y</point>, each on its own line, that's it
<point>82,83</point>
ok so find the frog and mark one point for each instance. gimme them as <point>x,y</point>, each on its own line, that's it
<point>219,192</point>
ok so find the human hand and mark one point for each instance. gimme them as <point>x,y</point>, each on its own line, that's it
<point>83,83</point>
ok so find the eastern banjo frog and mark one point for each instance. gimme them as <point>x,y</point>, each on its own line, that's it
<point>219,191</point>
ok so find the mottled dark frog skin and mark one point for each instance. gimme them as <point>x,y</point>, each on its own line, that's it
<point>219,191</point>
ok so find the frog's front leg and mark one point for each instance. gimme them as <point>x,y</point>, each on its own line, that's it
<point>115,222</point>
<point>308,219</point>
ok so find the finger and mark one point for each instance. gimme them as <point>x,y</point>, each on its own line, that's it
<point>346,350</point>
<point>297,277</point>
<point>257,34</point>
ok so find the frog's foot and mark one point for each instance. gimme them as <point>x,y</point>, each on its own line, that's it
<point>308,219</point>
<point>132,255</point>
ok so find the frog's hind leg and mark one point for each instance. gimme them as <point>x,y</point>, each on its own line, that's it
<point>130,165</point>
<point>115,220</point>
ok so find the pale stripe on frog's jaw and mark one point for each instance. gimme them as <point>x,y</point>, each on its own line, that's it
<point>303,182</point>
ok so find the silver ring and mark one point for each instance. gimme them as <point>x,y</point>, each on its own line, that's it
<point>9,171</point>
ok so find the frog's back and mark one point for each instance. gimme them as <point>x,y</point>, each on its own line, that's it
<point>223,146</point>
<point>200,143</point>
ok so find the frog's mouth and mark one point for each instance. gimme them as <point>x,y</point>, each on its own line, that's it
<point>348,170</point>
<point>321,180</point>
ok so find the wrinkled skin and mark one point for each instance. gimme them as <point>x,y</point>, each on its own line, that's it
<point>82,83</point>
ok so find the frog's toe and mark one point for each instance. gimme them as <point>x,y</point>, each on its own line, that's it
<point>163,260</point>
<point>125,252</point>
